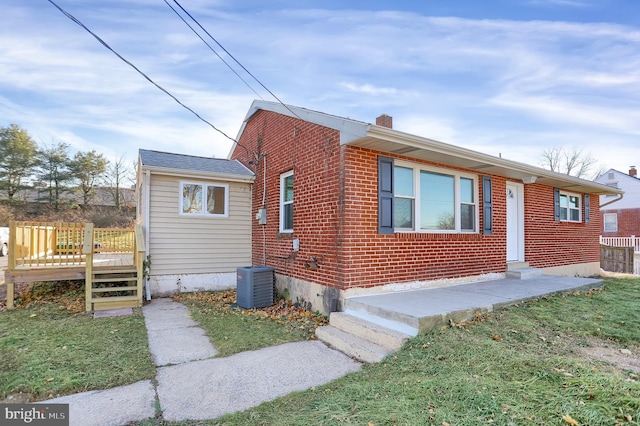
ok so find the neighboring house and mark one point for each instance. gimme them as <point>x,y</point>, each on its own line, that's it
<point>620,213</point>
<point>344,207</point>
<point>196,215</point>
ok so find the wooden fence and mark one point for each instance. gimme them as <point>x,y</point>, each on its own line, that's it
<point>620,254</point>
<point>617,259</point>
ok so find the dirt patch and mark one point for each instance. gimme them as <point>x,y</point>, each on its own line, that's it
<point>622,358</point>
<point>17,398</point>
<point>17,289</point>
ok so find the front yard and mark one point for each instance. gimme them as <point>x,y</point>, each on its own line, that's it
<point>562,360</point>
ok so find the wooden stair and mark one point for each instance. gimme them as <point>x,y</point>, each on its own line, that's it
<point>114,288</point>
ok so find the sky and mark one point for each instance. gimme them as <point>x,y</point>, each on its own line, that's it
<point>510,78</point>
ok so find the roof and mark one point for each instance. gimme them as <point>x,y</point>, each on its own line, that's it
<point>624,182</point>
<point>367,135</point>
<point>189,165</point>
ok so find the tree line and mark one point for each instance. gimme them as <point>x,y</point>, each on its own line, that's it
<point>25,165</point>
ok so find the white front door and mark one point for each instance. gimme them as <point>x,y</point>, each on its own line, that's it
<point>515,222</point>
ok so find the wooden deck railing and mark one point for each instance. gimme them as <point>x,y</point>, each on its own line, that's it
<point>40,246</point>
<point>35,244</point>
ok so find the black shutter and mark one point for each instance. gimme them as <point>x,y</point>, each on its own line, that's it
<point>487,206</point>
<point>556,203</point>
<point>587,208</point>
<point>385,195</point>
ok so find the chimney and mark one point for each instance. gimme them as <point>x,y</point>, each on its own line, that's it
<point>385,121</point>
<point>633,172</point>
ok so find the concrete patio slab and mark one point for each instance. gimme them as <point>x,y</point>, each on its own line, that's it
<point>108,313</point>
<point>430,307</point>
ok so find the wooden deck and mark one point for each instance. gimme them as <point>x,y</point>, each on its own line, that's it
<point>59,252</point>
<point>60,270</point>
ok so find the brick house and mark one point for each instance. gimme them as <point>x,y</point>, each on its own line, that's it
<point>620,214</point>
<point>343,208</point>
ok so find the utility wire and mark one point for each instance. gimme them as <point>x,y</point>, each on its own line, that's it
<point>232,57</point>
<point>213,50</point>
<point>68,15</point>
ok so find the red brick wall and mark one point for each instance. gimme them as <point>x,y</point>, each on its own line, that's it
<point>628,223</point>
<point>551,243</point>
<point>336,208</point>
<point>376,259</point>
<point>313,153</point>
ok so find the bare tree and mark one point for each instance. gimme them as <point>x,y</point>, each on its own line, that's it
<point>119,175</point>
<point>574,162</point>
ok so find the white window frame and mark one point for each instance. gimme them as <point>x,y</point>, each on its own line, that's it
<point>569,209</point>
<point>204,212</point>
<point>412,198</point>
<point>604,220</point>
<point>284,203</point>
<point>457,175</point>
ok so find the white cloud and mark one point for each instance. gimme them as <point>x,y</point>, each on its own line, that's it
<point>480,83</point>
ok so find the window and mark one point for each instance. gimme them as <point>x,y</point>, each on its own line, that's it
<point>610,222</point>
<point>286,202</point>
<point>200,199</point>
<point>433,200</point>
<point>570,207</point>
<point>403,197</point>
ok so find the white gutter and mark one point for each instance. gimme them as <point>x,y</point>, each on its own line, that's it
<point>621,196</point>
<point>197,174</point>
<point>419,143</point>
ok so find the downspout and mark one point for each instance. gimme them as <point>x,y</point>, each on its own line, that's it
<point>612,201</point>
<point>264,200</point>
<point>147,200</point>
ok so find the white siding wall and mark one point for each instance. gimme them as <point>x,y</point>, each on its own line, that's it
<point>180,244</point>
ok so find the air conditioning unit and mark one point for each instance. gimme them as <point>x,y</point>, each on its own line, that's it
<point>255,287</point>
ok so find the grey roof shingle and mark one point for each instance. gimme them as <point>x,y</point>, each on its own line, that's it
<point>193,163</point>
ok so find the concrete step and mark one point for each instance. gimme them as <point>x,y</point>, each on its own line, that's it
<point>388,318</point>
<point>517,265</point>
<point>369,330</point>
<point>524,273</point>
<point>353,346</point>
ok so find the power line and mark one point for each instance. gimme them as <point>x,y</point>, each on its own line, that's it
<point>68,15</point>
<point>212,49</point>
<point>232,57</point>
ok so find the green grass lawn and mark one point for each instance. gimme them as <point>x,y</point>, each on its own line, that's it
<point>47,351</point>
<point>232,329</point>
<point>526,365</point>
<point>537,363</point>
<point>50,347</point>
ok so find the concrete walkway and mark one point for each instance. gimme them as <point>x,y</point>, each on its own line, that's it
<point>191,385</point>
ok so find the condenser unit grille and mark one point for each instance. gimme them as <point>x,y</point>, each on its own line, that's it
<point>255,287</point>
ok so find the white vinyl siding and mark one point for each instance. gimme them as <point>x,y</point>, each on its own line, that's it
<point>195,244</point>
